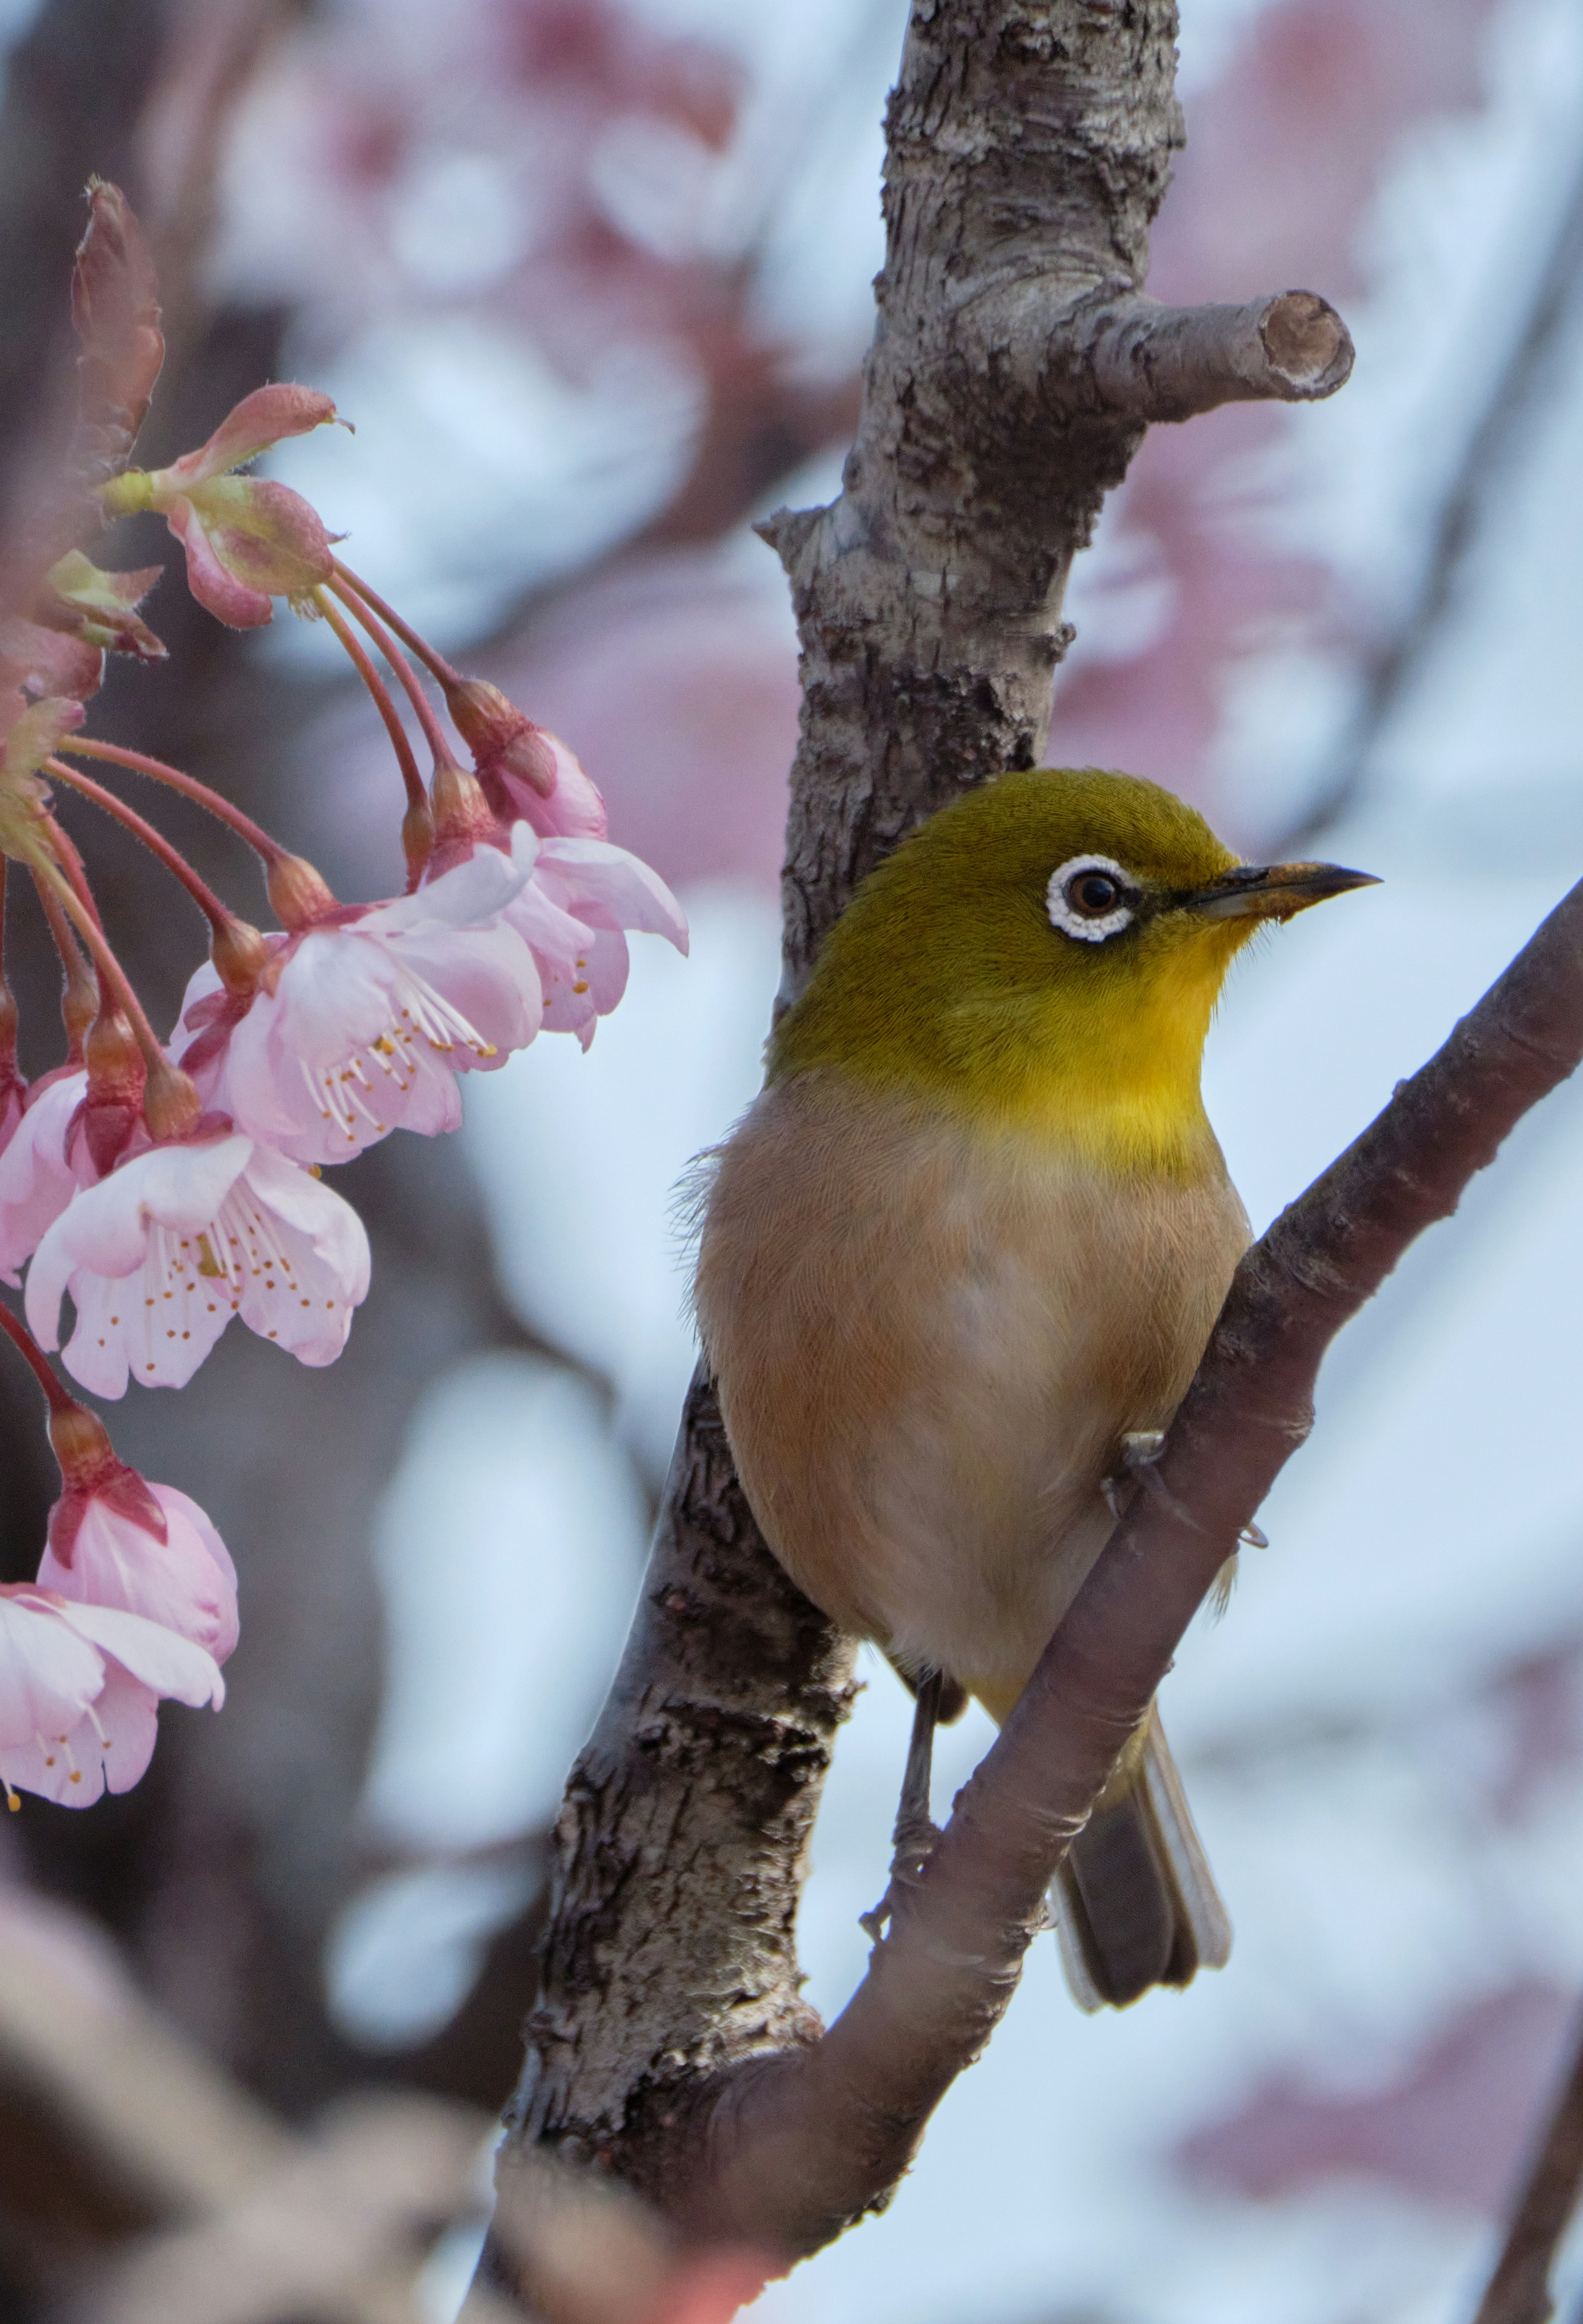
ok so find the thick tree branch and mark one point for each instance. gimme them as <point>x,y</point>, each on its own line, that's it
<point>1014,365</point>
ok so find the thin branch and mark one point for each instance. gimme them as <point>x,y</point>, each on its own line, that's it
<point>1518,2290</point>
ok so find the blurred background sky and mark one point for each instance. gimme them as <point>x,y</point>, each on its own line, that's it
<point>593,281</point>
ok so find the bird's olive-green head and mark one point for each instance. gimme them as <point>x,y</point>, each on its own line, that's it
<point>1045,955</point>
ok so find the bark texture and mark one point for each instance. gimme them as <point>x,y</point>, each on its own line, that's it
<point>1016,363</point>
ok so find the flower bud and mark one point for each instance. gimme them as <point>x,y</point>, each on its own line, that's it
<point>300,896</point>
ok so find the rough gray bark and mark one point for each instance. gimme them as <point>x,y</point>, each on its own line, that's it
<point>1014,365</point>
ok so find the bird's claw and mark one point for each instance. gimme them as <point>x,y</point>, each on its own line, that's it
<point>913,1842</point>
<point>1140,1449</point>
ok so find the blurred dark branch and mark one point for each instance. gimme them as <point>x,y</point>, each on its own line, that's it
<point>74,89</point>
<point>1518,2290</point>
<point>1503,432</point>
<point>210,53</point>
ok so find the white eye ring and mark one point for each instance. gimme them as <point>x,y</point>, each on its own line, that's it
<point>1065,915</point>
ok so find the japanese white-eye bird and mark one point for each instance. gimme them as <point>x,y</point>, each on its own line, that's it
<point>966,1249</point>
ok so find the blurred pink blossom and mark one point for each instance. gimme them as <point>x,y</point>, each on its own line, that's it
<point>159,1256</point>
<point>79,1689</point>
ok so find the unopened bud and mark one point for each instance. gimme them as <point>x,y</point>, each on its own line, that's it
<point>493,728</point>
<point>300,896</point>
<point>171,1104</point>
<point>240,955</point>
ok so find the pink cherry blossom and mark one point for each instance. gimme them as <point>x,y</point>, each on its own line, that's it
<point>362,1027</point>
<point>247,541</point>
<point>80,1688</point>
<point>36,1179</point>
<point>159,1256</point>
<point>148,1549</point>
<point>578,896</point>
<point>528,774</point>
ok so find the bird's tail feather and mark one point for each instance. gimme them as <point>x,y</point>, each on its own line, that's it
<point>1136,1902</point>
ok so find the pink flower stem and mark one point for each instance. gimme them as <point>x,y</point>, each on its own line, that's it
<point>219,919</point>
<point>435,663</point>
<point>417,797</point>
<point>72,891</point>
<point>32,1353</point>
<point>80,998</point>
<point>257,838</point>
<point>432,731</point>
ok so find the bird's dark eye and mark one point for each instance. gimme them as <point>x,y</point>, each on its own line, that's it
<point>1093,894</point>
<point>1091,898</point>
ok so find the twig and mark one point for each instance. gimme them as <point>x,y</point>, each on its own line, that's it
<point>1518,2290</point>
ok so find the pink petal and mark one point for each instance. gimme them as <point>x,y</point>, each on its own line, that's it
<point>47,1672</point>
<point>36,1181</point>
<point>172,1666</point>
<point>108,1748</point>
<point>105,1230</point>
<point>266,417</point>
<point>186,1583</point>
<point>610,888</point>
<point>211,582</point>
<point>470,895</point>
<point>573,807</point>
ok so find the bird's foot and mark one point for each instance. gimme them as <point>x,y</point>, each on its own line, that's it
<point>914,1833</point>
<point>913,1844</point>
<point>1140,1449</point>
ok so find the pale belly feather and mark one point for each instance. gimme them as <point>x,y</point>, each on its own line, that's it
<point>929,1341</point>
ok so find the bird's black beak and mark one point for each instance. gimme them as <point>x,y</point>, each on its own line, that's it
<point>1272,891</point>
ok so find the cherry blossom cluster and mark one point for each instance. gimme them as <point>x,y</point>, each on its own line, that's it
<point>164,1186</point>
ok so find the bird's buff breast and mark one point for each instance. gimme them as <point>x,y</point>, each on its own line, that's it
<point>929,1340</point>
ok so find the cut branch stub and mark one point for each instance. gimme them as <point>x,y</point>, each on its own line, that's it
<point>1169,362</point>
